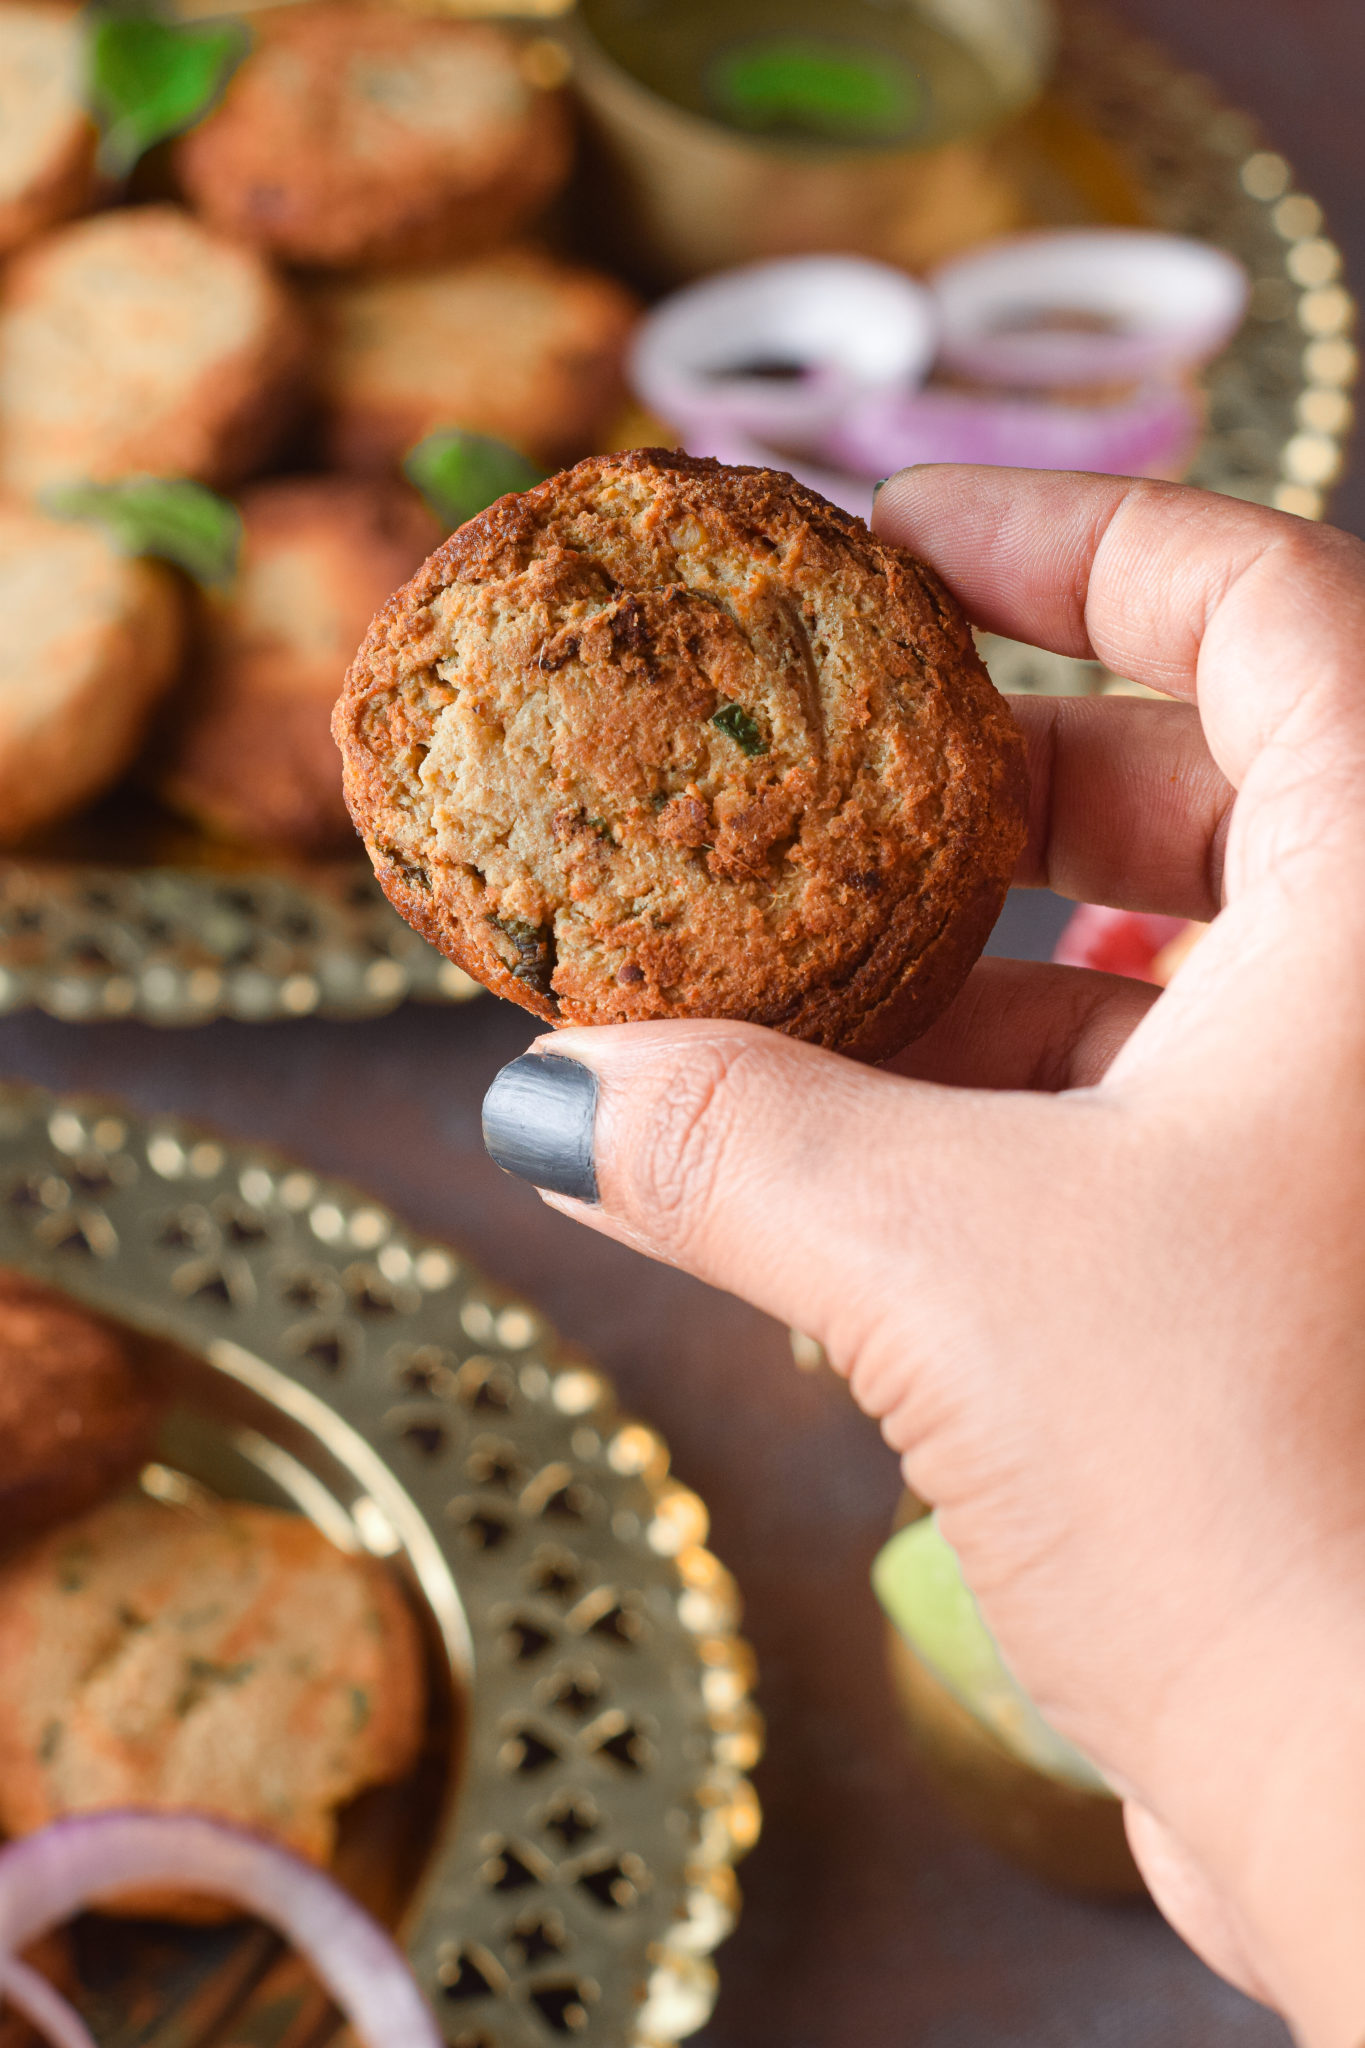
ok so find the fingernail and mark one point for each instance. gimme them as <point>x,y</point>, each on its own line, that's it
<point>879,487</point>
<point>538,1121</point>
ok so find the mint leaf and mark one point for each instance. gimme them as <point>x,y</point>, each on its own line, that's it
<point>735,722</point>
<point>815,87</point>
<point>148,76</point>
<point>169,516</point>
<point>460,474</point>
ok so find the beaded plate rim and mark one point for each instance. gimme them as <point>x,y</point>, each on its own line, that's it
<point>538,1526</point>
<point>180,945</point>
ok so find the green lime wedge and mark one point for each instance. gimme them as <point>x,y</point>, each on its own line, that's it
<point>919,1582</point>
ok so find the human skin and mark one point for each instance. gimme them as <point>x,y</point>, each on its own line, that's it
<point>1091,1253</point>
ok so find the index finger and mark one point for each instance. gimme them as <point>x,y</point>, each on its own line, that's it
<point>1257,615</point>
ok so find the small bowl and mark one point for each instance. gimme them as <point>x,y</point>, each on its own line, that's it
<point>1063,1825</point>
<point>1070,1838</point>
<point>685,193</point>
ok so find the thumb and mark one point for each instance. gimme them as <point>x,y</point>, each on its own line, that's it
<point>846,1200</point>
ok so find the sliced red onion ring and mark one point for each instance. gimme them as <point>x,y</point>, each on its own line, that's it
<point>44,2008</point>
<point>1156,302</point>
<point>48,1876</point>
<point>778,349</point>
<point>1153,432</point>
<point>1116,941</point>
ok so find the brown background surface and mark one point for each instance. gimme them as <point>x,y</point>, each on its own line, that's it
<point>870,1918</point>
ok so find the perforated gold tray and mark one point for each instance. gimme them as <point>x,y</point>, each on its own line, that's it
<point>1126,135</point>
<point>574,1854</point>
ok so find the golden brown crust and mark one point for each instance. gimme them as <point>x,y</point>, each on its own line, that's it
<point>354,136</point>
<point>221,1657</point>
<point>47,140</point>
<point>76,1419</point>
<point>662,738</point>
<point>92,642</point>
<point>139,341</point>
<point>517,345</point>
<point>247,750</point>
<point>65,188</point>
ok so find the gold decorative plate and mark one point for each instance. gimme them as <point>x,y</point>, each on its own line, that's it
<point>577,1877</point>
<point>1126,135</point>
<point>182,945</point>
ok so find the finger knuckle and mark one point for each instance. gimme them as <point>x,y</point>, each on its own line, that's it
<point>677,1151</point>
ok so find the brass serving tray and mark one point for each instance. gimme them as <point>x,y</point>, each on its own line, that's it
<point>181,945</point>
<point>565,1864</point>
<point>1125,135</point>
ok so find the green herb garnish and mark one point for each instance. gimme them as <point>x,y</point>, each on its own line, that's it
<point>735,722</point>
<point>169,516</point>
<point>461,474</point>
<point>148,76</point>
<point>200,1674</point>
<point>818,88</point>
<point>535,951</point>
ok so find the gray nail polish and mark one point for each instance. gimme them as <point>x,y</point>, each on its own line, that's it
<point>538,1121</point>
<point>879,487</point>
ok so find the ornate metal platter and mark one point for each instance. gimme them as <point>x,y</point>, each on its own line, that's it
<point>577,1862</point>
<point>1126,135</point>
<point>181,945</point>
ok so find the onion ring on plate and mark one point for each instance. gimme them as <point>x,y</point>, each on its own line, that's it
<point>30,1995</point>
<point>1152,433</point>
<point>48,1876</point>
<point>1156,302</point>
<point>779,349</point>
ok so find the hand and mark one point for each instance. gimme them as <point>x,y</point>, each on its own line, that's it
<point>1094,1256</point>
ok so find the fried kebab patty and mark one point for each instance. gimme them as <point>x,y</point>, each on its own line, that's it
<point>364,136</point>
<point>77,1417</point>
<point>139,340</point>
<point>221,1657</point>
<point>662,738</point>
<point>516,344</point>
<point>92,640</point>
<point>247,751</point>
<point>47,139</point>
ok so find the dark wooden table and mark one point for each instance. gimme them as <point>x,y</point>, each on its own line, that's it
<point>870,1918</point>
